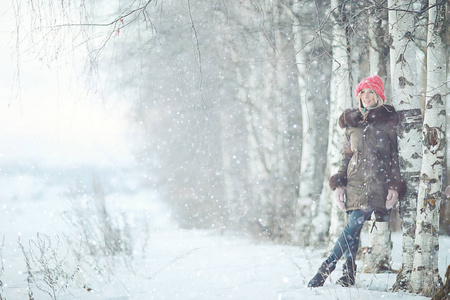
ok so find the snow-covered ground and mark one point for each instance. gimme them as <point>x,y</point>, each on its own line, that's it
<point>175,264</point>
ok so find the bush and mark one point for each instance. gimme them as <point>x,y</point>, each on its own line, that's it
<point>48,267</point>
<point>103,239</point>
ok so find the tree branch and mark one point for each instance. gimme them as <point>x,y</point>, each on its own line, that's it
<point>115,21</point>
<point>419,12</point>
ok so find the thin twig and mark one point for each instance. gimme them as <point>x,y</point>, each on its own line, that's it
<point>174,260</point>
<point>118,19</point>
<point>419,12</point>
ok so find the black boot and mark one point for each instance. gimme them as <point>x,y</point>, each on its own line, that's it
<point>324,271</point>
<point>349,271</point>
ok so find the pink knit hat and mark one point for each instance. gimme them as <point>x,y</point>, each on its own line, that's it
<point>372,82</point>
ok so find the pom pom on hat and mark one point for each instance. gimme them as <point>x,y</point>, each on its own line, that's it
<point>372,82</point>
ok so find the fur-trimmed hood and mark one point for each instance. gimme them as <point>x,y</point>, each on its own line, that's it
<point>354,118</point>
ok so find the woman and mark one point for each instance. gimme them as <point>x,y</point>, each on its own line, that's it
<point>368,179</point>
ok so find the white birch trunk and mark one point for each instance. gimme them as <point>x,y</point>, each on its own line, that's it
<point>378,49</point>
<point>308,184</point>
<point>355,50</point>
<point>378,259</point>
<point>447,189</point>
<point>308,213</point>
<point>340,99</point>
<point>406,101</point>
<point>425,277</point>
<point>420,40</point>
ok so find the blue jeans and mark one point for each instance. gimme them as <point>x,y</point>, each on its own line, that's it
<point>348,241</point>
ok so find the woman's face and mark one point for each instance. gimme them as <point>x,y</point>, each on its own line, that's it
<point>368,97</point>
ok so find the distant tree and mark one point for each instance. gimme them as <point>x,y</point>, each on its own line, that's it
<point>268,124</point>
<point>313,101</point>
<point>234,134</point>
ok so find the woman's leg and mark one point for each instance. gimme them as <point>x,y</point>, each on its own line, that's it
<point>348,241</point>
<point>353,251</point>
<point>349,267</point>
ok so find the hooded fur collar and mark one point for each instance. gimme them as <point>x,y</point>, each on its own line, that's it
<point>353,117</point>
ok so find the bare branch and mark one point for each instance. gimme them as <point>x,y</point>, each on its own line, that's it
<point>197,48</point>
<point>423,10</point>
<point>140,10</point>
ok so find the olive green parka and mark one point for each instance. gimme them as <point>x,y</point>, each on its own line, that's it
<point>369,165</point>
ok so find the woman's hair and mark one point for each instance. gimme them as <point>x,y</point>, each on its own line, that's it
<point>379,99</point>
<point>364,111</point>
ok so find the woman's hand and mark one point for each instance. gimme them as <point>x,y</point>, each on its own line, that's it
<point>339,197</point>
<point>391,198</point>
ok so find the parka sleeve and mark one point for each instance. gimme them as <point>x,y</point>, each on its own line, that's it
<point>340,178</point>
<point>394,179</point>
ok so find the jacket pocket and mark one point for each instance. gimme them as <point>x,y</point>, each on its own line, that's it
<point>353,165</point>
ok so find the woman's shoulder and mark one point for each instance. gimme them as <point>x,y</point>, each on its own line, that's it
<point>384,114</point>
<point>351,117</point>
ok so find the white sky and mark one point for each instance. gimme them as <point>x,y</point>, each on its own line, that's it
<point>50,118</point>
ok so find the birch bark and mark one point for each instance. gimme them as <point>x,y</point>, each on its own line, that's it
<point>310,216</point>
<point>309,185</point>
<point>340,99</point>
<point>406,101</point>
<point>425,277</point>
<point>379,258</point>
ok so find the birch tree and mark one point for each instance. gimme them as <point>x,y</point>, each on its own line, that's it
<point>340,99</point>
<point>313,109</point>
<point>406,101</point>
<point>420,41</point>
<point>425,278</point>
<point>380,243</point>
